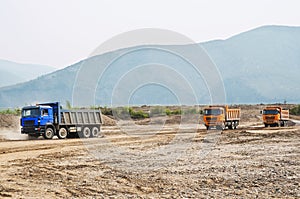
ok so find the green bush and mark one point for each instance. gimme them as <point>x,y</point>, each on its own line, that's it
<point>174,112</point>
<point>124,112</point>
<point>137,114</point>
<point>295,110</point>
<point>168,112</point>
<point>15,111</point>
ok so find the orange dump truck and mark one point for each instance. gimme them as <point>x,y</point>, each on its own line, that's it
<point>275,116</point>
<point>221,117</point>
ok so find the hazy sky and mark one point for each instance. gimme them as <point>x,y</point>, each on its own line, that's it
<point>62,32</point>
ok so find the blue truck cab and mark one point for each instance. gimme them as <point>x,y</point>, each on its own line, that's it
<point>36,119</point>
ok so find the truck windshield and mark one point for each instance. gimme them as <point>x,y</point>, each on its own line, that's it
<point>270,112</point>
<point>212,112</point>
<point>34,112</point>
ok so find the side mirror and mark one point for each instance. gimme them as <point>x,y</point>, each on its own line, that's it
<point>261,112</point>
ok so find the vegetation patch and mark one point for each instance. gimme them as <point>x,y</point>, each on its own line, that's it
<point>8,111</point>
<point>295,110</point>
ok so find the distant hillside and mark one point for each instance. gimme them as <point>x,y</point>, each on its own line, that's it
<point>258,66</point>
<point>56,86</point>
<point>261,65</point>
<point>13,73</point>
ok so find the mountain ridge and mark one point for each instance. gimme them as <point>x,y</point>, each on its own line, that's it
<point>13,72</point>
<point>257,66</point>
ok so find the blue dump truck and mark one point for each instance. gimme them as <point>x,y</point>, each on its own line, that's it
<point>49,119</point>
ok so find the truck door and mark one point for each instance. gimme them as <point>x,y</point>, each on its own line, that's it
<point>46,116</point>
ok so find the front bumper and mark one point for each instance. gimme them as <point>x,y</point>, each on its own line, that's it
<point>33,130</point>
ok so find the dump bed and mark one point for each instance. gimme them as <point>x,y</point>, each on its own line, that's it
<point>81,117</point>
<point>233,114</point>
<point>284,115</point>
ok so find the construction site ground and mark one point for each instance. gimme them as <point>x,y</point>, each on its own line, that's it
<point>163,157</point>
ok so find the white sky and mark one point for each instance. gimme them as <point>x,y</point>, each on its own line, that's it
<point>62,32</point>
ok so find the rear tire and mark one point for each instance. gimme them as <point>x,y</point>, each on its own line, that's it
<point>86,133</point>
<point>62,133</point>
<point>95,132</point>
<point>49,133</point>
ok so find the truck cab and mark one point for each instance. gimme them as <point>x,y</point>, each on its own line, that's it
<point>35,119</point>
<point>214,117</point>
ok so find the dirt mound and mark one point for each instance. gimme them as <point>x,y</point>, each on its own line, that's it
<point>9,121</point>
<point>10,127</point>
<point>108,121</point>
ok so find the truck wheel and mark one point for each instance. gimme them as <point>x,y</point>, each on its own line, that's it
<point>62,133</point>
<point>95,132</point>
<point>49,133</point>
<point>86,133</point>
<point>230,126</point>
<point>235,125</point>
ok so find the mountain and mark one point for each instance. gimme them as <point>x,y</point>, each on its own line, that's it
<point>261,65</point>
<point>258,66</point>
<point>13,73</point>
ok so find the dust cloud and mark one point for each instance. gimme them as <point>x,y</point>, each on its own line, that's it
<point>12,134</point>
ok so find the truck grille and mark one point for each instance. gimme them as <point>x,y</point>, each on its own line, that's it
<point>211,119</point>
<point>270,117</point>
<point>29,123</point>
<point>28,129</point>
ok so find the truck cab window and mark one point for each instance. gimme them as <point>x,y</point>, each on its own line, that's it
<point>212,112</point>
<point>45,112</point>
<point>270,112</point>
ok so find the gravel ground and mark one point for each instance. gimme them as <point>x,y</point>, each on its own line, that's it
<point>164,160</point>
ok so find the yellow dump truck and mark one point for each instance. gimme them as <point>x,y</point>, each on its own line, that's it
<point>275,116</point>
<point>220,117</point>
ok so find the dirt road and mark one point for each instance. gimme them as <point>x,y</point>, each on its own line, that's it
<point>170,162</point>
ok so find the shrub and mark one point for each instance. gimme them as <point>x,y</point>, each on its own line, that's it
<point>125,112</point>
<point>295,110</point>
<point>174,112</point>
<point>15,111</point>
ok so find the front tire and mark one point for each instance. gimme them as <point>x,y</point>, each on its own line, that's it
<point>62,133</point>
<point>49,133</point>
